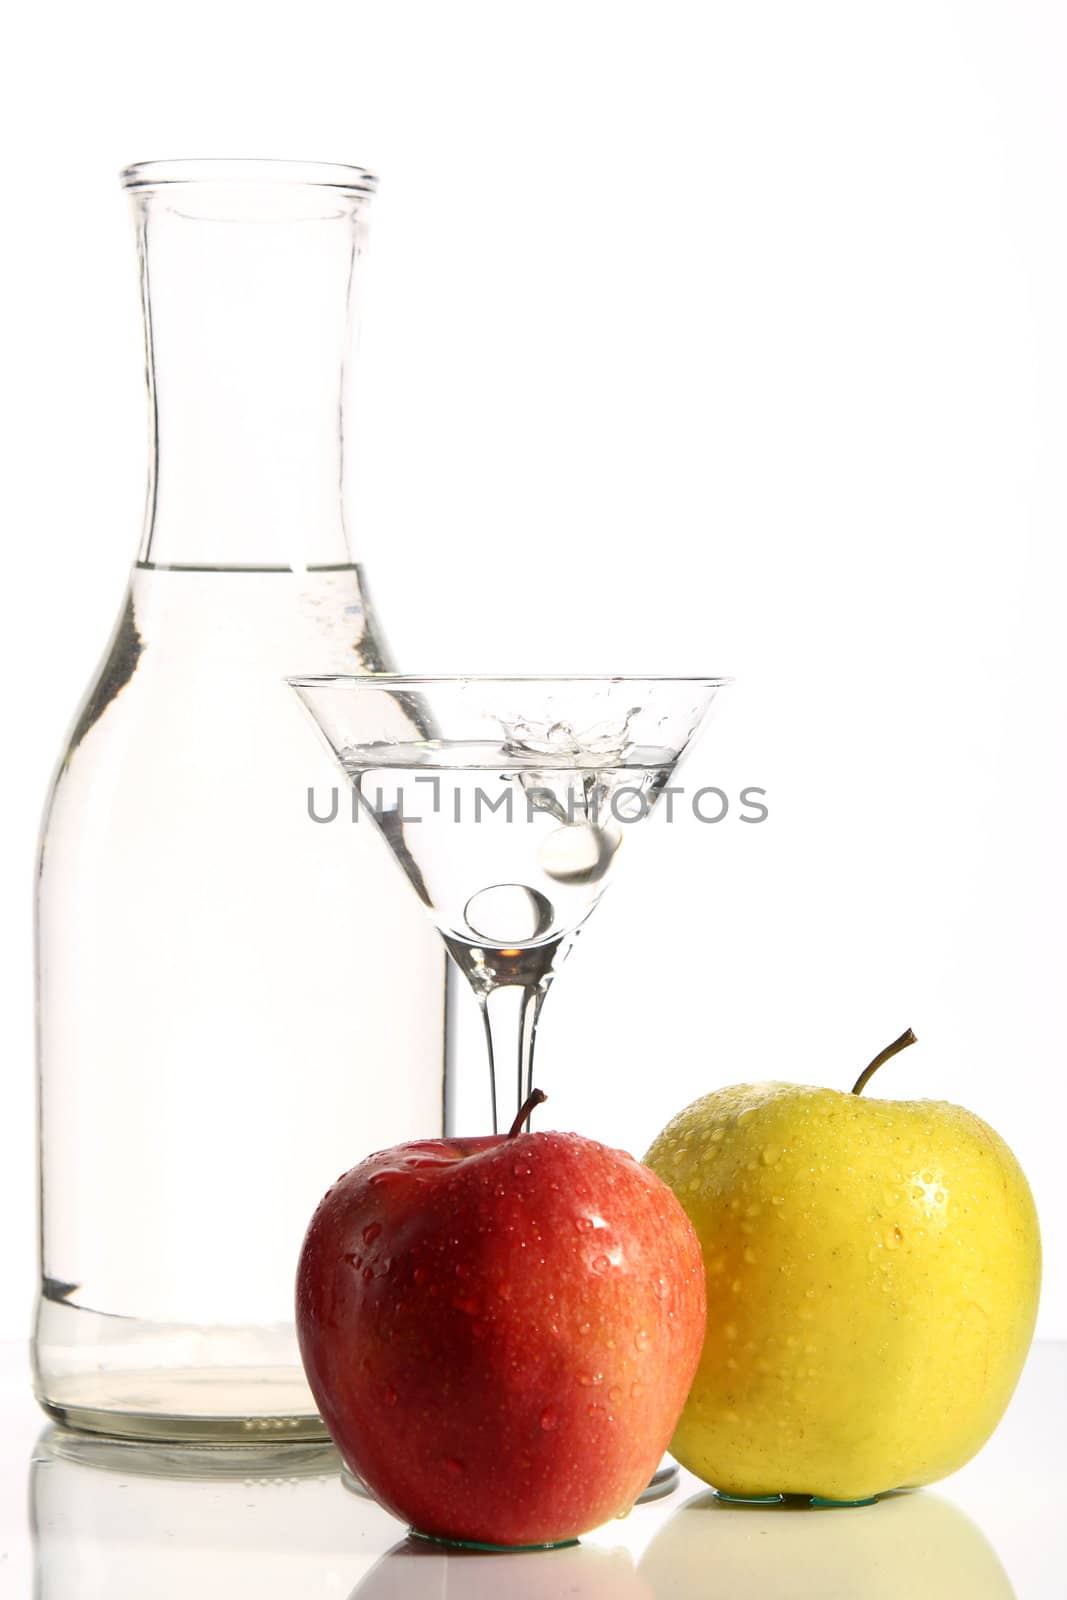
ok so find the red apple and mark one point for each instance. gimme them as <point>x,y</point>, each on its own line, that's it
<point>500,1333</point>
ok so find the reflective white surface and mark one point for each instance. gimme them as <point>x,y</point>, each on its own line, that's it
<point>85,1520</point>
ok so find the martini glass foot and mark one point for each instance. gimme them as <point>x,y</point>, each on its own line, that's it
<point>663,1481</point>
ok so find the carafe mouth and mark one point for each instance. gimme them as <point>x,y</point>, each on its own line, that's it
<point>217,170</point>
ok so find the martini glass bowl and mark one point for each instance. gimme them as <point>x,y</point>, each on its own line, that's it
<point>508,803</point>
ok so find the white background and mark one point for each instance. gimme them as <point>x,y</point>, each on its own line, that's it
<point>698,337</point>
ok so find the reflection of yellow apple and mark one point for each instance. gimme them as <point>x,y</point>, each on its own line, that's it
<point>873,1269</point>
<point>908,1547</point>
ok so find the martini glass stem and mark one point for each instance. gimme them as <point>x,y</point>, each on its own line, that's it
<point>510,1013</point>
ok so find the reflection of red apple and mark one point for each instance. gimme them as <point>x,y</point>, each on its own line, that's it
<point>417,1571</point>
<point>500,1332</point>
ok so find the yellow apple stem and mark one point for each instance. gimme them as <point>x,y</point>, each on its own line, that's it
<point>536,1097</point>
<point>906,1038</point>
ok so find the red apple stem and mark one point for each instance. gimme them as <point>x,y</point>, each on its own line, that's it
<point>536,1097</point>
<point>906,1038</point>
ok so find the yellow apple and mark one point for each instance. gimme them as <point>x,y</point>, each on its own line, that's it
<point>873,1269</point>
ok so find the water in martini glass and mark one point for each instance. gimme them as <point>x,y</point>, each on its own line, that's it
<point>508,803</point>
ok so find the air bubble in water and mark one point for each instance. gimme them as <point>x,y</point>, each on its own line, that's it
<point>508,914</point>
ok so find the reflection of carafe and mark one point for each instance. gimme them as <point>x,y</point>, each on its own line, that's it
<point>144,1522</point>
<point>222,1025</point>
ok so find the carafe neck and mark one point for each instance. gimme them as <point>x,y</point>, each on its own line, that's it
<point>248,272</point>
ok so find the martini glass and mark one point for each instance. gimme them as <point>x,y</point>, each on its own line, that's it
<point>508,803</point>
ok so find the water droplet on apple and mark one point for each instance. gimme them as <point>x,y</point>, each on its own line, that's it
<point>584,1327</point>
<point>419,1275</point>
<point>589,1380</point>
<point>892,1237</point>
<point>390,1395</point>
<point>549,1418</point>
<point>583,1224</point>
<point>614,1394</point>
<point>601,1264</point>
<point>636,1390</point>
<point>467,1304</point>
<point>371,1232</point>
<point>455,1467</point>
<point>928,1177</point>
<point>641,1339</point>
<point>661,1287</point>
<point>770,1154</point>
<point>368,1274</point>
<point>940,1197</point>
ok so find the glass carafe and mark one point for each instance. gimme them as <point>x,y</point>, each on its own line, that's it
<point>221,1030</point>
